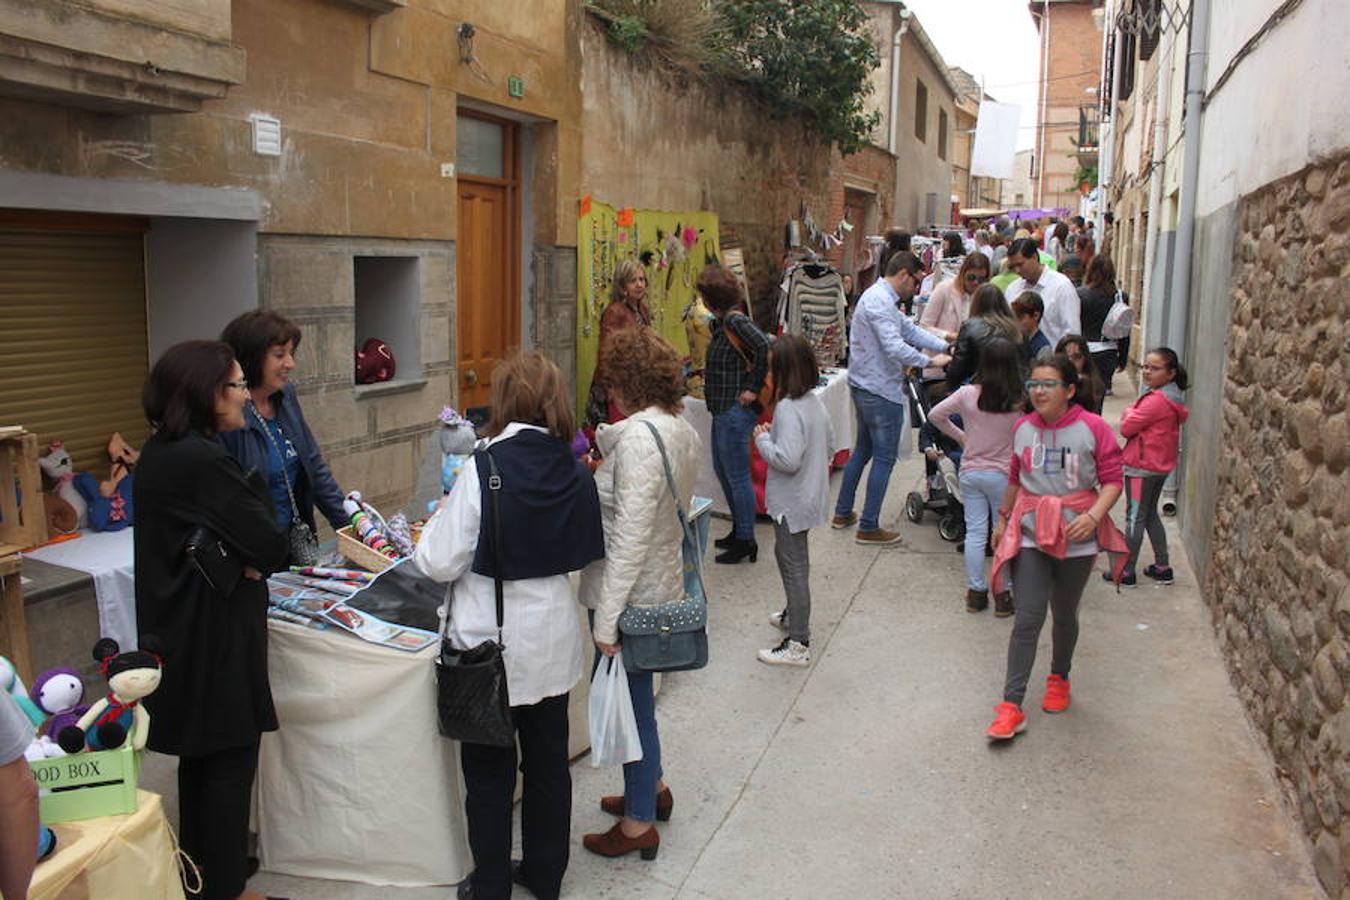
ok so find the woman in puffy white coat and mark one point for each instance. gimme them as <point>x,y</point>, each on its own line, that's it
<point>643,565</point>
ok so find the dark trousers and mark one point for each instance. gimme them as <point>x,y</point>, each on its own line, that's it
<point>545,806</point>
<point>1106,361</point>
<point>213,801</point>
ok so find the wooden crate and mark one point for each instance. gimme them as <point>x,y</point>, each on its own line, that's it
<point>87,785</point>
<point>23,520</point>
<point>13,627</point>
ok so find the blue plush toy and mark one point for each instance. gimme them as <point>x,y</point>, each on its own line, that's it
<point>110,512</point>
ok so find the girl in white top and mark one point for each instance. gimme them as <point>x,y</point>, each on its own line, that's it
<point>797,448</point>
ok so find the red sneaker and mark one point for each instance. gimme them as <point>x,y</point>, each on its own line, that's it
<point>1056,694</point>
<point>1008,721</point>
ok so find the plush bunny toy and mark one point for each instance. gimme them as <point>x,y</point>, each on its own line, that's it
<point>457,440</point>
<point>132,676</point>
<point>57,467</point>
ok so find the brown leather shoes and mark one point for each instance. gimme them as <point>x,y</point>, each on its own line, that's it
<point>1003,604</point>
<point>664,804</point>
<point>615,843</point>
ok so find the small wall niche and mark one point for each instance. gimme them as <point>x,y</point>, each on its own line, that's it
<point>389,307</point>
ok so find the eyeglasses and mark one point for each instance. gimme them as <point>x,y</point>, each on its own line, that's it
<point>241,384</point>
<point>975,276</point>
<point>1043,384</point>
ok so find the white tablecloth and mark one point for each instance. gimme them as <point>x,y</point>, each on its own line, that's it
<point>834,394</point>
<point>357,784</point>
<point>108,556</point>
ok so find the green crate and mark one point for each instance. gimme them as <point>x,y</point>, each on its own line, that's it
<point>87,785</point>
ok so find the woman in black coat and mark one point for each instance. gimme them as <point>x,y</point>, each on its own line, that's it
<point>990,320</point>
<point>214,702</point>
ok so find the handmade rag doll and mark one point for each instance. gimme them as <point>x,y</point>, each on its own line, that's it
<point>118,717</point>
<point>457,440</point>
<point>59,693</point>
<point>56,465</point>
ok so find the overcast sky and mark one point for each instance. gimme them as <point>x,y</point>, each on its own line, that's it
<point>991,38</point>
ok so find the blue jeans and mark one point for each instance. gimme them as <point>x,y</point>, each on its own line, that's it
<point>731,463</point>
<point>879,424</point>
<point>981,494</point>
<point>640,778</point>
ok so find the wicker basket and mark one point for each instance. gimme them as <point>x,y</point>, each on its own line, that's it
<point>351,547</point>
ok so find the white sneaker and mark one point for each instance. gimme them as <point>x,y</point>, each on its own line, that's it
<point>788,653</point>
<point>779,619</point>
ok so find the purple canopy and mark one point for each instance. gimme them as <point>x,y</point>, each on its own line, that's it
<point>1055,213</point>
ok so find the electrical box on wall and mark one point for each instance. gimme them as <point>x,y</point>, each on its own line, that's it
<point>266,135</point>
<point>515,86</point>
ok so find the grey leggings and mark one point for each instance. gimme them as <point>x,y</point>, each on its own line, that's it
<point>1043,581</point>
<point>794,564</point>
<point>1141,514</point>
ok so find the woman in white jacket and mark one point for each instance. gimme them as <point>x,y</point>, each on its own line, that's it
<point>643,565</point>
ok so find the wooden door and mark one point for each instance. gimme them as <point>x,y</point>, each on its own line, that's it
<point>487,261</point>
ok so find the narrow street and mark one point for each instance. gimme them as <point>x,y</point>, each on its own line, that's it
<point>868,775</point>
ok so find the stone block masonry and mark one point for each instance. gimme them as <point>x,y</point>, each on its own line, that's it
<point>1279,579</point>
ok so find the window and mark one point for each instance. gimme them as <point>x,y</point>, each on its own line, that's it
<point>1019,199</point>
<point>921,111</point>
<point>479,147</point>
<point>942,134</point>
<point>389,308</point>
<point>1151,28</point>
<point>1127,65</point>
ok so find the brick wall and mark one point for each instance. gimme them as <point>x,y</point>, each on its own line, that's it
<point>1072,65</point>
<point>1278,581</point>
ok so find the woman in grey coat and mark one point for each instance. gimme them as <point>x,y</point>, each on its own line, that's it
<point>797,448</point>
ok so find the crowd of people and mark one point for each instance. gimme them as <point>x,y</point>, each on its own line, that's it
<point>1014,375</point>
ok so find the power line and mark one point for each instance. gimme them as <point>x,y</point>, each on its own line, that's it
<point>1038,81</point>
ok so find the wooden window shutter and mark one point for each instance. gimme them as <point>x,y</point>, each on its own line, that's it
<point>73,344</point>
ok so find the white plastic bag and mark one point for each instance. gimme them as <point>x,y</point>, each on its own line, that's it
<point>614,733</point>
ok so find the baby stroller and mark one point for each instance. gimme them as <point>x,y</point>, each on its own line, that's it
<point>940,493</point>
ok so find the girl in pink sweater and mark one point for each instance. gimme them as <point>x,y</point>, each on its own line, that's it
<point>1151,427</point>
<point>1064,477</point>
<point>988,409</point>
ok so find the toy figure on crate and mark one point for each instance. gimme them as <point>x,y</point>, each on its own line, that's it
<point>118,717</point>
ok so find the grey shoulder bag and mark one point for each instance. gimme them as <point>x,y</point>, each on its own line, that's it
<point>673,636</point>
<point>304,545</point>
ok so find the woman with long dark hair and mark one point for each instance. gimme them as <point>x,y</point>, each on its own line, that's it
<point>989,408</point>
<point>1096,297</point>
<point>550,527</point>
<point>1091,391</point>
<point>990,319</point>
<point>1064,477</point>
<point>215,701</point>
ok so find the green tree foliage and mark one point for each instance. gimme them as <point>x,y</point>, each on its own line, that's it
<point>804,58</point>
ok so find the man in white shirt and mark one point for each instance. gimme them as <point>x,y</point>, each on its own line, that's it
<point>1057,292</point>
<point>882,343</point>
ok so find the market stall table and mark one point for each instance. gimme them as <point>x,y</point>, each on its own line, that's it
<point>838,405</point>
<point>357,758</point>
<point>113,856</point>
<point>109,558</point>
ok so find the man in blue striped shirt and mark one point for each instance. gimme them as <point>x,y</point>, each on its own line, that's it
<point>882,342</point>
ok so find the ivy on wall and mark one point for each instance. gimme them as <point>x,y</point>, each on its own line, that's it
<point>808,59</point>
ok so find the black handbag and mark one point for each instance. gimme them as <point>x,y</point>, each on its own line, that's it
<point>218,567</point>
<point>669,637</point>
<point>473,703</point>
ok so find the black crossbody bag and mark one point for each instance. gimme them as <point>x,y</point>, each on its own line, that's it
<point>472,700</point>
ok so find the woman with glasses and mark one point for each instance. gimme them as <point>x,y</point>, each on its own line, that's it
<point>215,700</point>
<point>274,438</point>
<point>949,305</point>
<point>1091,393</point>
<point>1064,476</point>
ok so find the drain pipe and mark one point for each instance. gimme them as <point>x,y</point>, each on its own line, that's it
<point>1043,113</point>
<point>1179,304</point>
<point>893,126</point>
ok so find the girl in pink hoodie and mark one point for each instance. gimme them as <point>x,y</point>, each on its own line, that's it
<point>1151,427</point>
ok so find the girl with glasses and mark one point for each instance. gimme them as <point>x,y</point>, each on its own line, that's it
<point>1151,427</point>
<point>1064,476</point>
<point>949,305</point>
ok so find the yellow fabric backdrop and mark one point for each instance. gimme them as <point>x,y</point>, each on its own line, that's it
<point>602,242</point>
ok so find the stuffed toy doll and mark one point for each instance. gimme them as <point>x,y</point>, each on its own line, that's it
<point>12,684</point>
<point>46,842</point>
<point>59,693</point>
<point>457,439</point>
<point>106,513</point>
<point>118,717</point>
<point>57,467</point>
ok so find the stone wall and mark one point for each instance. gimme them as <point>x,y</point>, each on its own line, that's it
<point>1279,581</point>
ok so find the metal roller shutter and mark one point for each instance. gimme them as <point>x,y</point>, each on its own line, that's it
<point>73,348</point>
